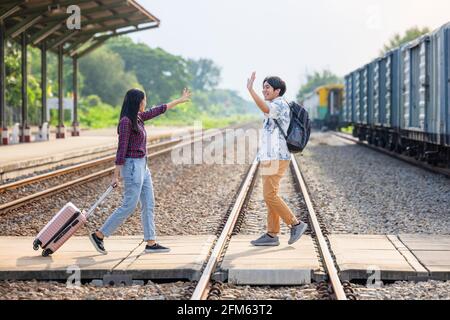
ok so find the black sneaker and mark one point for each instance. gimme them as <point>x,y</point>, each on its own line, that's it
<point>156,248</point>
<point>98,243</point>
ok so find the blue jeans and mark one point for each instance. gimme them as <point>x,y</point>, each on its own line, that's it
<point>138,187</point>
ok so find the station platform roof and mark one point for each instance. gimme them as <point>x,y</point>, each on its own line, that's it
<point>47,20</point>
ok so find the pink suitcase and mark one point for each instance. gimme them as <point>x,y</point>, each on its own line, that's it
<point>63,225</point>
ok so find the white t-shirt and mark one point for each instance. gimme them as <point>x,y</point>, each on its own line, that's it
<point>272,142</point>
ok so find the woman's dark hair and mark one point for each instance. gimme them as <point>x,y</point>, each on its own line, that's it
<point>130,106</point>
<point>276,83</point>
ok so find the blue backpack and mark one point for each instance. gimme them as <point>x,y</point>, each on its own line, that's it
<point>299,128</point>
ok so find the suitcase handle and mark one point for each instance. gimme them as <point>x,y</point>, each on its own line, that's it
<point>100,200</point>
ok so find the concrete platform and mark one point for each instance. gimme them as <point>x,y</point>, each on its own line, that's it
<point>26,158</point>
<point>125,255</point>
<point>359,257</point>
<point>184,261</point>
<point>282,265</point>
<point>363,256</point>
<point>432,251</point>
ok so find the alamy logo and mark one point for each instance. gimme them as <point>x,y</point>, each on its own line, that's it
<point>74,21</point>
<point>374,17</point>
<point>74,280</point>
<point>374,280</point>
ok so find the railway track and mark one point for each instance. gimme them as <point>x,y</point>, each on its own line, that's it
<point>410,160</point>
<point>205,287</point>
<point>161,148</point>
<point>9,176</point>
<point>84,165</point>
<point>215,290</point>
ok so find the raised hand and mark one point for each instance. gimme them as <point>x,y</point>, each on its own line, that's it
<point>251,81</point>
<point>186,95</point>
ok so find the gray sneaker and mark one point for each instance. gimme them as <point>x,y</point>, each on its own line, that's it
<point>266,241</point>
<point>297,231</point>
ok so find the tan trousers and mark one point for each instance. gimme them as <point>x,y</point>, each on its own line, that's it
<point>272,172</point>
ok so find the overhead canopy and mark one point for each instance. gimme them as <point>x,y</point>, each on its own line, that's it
<point>49,24</point>
<point>45,20</point>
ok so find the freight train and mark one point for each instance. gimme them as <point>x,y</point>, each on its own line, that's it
<point>400,101</point>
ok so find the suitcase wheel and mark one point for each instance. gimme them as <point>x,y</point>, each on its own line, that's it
<point>46,252</point>
<point>36,244</point>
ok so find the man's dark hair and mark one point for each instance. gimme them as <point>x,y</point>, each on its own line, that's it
<point>276,83</point>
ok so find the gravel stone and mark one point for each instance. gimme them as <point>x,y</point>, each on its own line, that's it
<point>356,190</point>
<point>361,191</point>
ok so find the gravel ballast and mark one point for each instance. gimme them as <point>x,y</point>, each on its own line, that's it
<point>39,290</point>
<point>191,199</point>
<point>356,190</point>
<point>361,191</point>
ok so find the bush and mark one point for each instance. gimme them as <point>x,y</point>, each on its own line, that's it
<point>209,107</point>
<point>54,117</point>
<point>96,114</point>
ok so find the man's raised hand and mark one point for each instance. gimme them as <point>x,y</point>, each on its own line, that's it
<point>251,81</point>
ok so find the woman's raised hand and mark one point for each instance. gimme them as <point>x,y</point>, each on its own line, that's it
<point>186,96</point>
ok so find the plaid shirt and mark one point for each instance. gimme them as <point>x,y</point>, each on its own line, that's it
<point>134,144</point>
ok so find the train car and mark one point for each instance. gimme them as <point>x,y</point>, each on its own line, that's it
<point>346,117</point>
<point>355,102</point>
<point>417,124</point>
<point>386,101</point>
<point>400,101</point>
<point>439,112</point>
<point>358,96</point>
<point>425,80</point>
<point>364,92</point>
<point>324,106</point>
<point>310,103</point>
<point>445,95</point>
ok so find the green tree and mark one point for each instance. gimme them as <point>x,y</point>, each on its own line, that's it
<point>52,72</point>
<point>105,76</point>
<point>162,74</point>
<point>13,94</point>
<point>96,114</point>
<point>317,79</point>
<point>397,40</point>
<point>205,74</point>
<point>222,103</point>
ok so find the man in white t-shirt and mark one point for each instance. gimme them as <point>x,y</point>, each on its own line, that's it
<point>274,158</point>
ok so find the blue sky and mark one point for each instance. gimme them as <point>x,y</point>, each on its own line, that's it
<point>284,37</point>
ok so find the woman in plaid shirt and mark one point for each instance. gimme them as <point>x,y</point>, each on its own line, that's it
<point>131,164</point>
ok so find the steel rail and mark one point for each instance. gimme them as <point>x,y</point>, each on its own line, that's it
<point>4,208</point>
<point>77,167</point>
<point>323,246</point>
<point>202,289</point>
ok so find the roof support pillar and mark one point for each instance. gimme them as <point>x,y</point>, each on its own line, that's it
<point>75,124</point>
<point>3,123</point>
<point>24,128</point>
<point>60,130</point>
<point>44,127</point>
